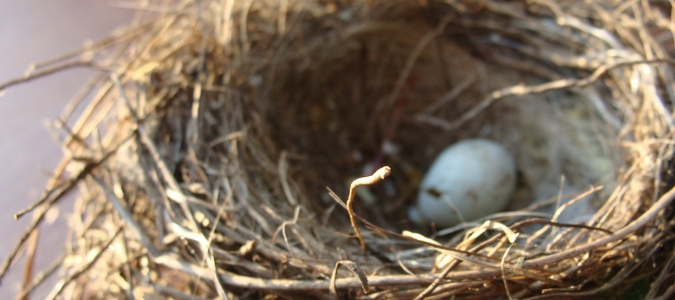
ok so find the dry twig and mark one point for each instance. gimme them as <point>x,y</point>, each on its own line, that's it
<point>380,174</point>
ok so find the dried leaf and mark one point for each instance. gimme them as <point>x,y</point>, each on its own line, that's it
<point>354,268</point>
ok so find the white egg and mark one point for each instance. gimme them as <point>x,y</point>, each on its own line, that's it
<point>469,180</point>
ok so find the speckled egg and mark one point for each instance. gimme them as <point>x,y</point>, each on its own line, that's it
<point>469,180</point>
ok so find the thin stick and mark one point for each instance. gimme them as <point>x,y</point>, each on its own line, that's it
<point>63,283</point>
<point>380,174</point>
<point>521,89</point>
<point>30,262</point>
<point>55,193</point>
<point>49,71</point>
<point>664,201</point>
<point>40,278</point>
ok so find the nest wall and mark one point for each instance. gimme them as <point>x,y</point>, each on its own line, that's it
<point>223,122</point>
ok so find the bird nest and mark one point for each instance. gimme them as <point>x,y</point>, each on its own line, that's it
<point>216,155</point>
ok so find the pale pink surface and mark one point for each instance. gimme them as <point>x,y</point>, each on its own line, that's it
<point>33,31</point>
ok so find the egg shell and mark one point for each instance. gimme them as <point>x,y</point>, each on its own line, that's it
<point>474,178</point>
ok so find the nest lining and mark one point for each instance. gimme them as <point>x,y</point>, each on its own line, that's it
<point>230,119</point>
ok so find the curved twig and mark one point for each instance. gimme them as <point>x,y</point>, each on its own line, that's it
<point>380,174</point>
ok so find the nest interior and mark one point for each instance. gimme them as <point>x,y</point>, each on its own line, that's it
<point>392,92</point>
<point>223,122</point>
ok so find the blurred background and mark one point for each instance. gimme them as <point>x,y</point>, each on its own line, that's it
<point>32,31</point>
